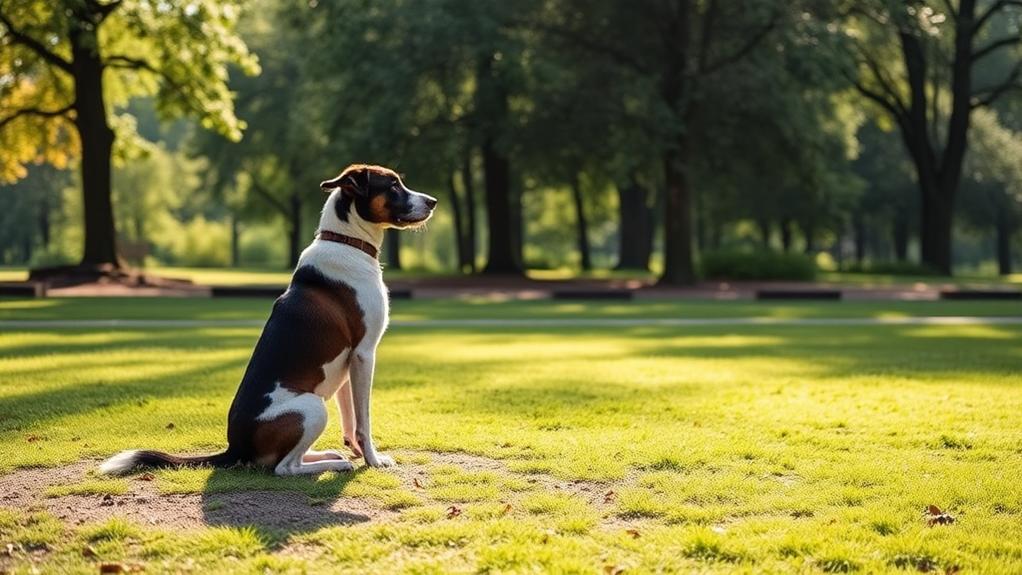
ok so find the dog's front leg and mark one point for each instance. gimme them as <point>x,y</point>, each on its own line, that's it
<point>347,411</point>
<point>361,389</point>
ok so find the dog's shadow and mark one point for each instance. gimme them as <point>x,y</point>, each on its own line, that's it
<point>243,497</point>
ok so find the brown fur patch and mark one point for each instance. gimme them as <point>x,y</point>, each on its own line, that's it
<point>335,320</point>
<point>276,438</point>
<point>379,209</point>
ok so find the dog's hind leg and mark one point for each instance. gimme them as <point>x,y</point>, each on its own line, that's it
<point>301,421</point>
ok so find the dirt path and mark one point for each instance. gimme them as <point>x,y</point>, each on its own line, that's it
<point>285,511</point>
<point>534,322</point>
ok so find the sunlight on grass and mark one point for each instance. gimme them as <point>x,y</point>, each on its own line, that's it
<point>711,448</point>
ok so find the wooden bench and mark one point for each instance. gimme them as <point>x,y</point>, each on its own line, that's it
<point>798,294</point>
<point>22,289</point>
<point>980,294</point>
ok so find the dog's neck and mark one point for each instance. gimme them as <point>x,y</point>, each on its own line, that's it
<point>355,227</point>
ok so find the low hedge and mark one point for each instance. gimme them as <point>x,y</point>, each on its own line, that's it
<point>757,265</point>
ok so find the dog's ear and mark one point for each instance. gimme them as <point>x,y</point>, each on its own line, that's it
<point>355,182</point>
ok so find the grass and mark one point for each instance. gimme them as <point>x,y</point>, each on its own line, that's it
<point>482,308</point>
<point>709,448</point>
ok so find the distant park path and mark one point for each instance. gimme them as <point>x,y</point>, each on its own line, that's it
<point>533,323</point>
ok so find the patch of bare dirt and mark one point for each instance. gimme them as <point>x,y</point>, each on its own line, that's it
<point>285,511</point>
<point>144,504</point>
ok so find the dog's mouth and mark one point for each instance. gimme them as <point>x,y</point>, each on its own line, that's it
<point>412,220</point>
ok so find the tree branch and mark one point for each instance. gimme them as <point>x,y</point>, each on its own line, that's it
<point>103,10</point>
<point>885,84</point>
<point>1011,82</point>
<point>994,8</point>
<point>586,42</point>
<point>996,45</point>
<point>266,195</point>
<point>36,112</point>
<point>34,45</point>
<point>742,52</point>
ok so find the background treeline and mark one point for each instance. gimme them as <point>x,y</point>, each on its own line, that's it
<point>575,134</point>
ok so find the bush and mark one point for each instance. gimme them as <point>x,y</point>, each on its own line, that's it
<point>198,243</point>
<point>757,265</point>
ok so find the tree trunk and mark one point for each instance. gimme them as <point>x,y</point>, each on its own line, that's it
<point>393,250</point>
<point>295,236</point>
<point>235,242</point>
<point>582,224</point>
<point>764,233</point>
<point>497,176</point>
<point>809,232</point>
<point>44,223</point>
<point>459,228</point>
<point>468,183</point>
<point>786,235</point>
<point>859,237</point>
<point>97,141</point>
<point>635,239</point>
<point>935,232</point>
<point>678,265</point>
<point>939,168</point>
<point>1004,233</point>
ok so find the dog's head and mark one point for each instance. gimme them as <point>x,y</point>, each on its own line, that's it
<point>378,196</point>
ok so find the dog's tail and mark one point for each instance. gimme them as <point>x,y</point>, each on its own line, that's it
<point>126,461</point>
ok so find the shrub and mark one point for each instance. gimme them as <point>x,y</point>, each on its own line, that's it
<point>757,265</point>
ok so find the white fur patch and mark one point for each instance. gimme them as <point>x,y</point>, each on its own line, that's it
<point>279,400</point>
<point>120,464</point>
<point>334,373</point>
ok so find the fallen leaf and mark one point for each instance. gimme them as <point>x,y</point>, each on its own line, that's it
<point>146,477</point>
<point>506,510</point>
<point>416,482</point>
<point>634,533</point>
<point>453,511</point>
<point>952,570</point>
<point>613,570</point>
<point>934,516</point>
<point>9,550</point>
<point>111,568</point>
<point>88,551</point>
<point>609,497</point>
<point>171,425</point>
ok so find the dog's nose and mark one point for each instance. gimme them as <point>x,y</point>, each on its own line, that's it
<point>430,202</point>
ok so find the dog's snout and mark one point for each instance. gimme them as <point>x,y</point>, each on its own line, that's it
<point>430,202</point>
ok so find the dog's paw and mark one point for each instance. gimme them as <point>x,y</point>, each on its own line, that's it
<point>351,444</point>
<point>379,460</point>
<point>341,466</point>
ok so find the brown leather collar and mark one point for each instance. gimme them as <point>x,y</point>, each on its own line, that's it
<point>353,242</point>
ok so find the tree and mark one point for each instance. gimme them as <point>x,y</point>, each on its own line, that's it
<point>71,62</point>
<point>916,61</point>
<point>673,49</point>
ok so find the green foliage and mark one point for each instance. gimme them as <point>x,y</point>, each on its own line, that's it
<point>179,53</point>
<point>757,265</point>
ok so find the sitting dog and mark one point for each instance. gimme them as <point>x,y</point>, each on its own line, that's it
<point>320,340</point>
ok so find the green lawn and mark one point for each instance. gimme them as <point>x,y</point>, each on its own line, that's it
<point>711,448</point>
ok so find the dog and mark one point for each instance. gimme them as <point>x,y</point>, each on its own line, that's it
<point>319,342</point>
